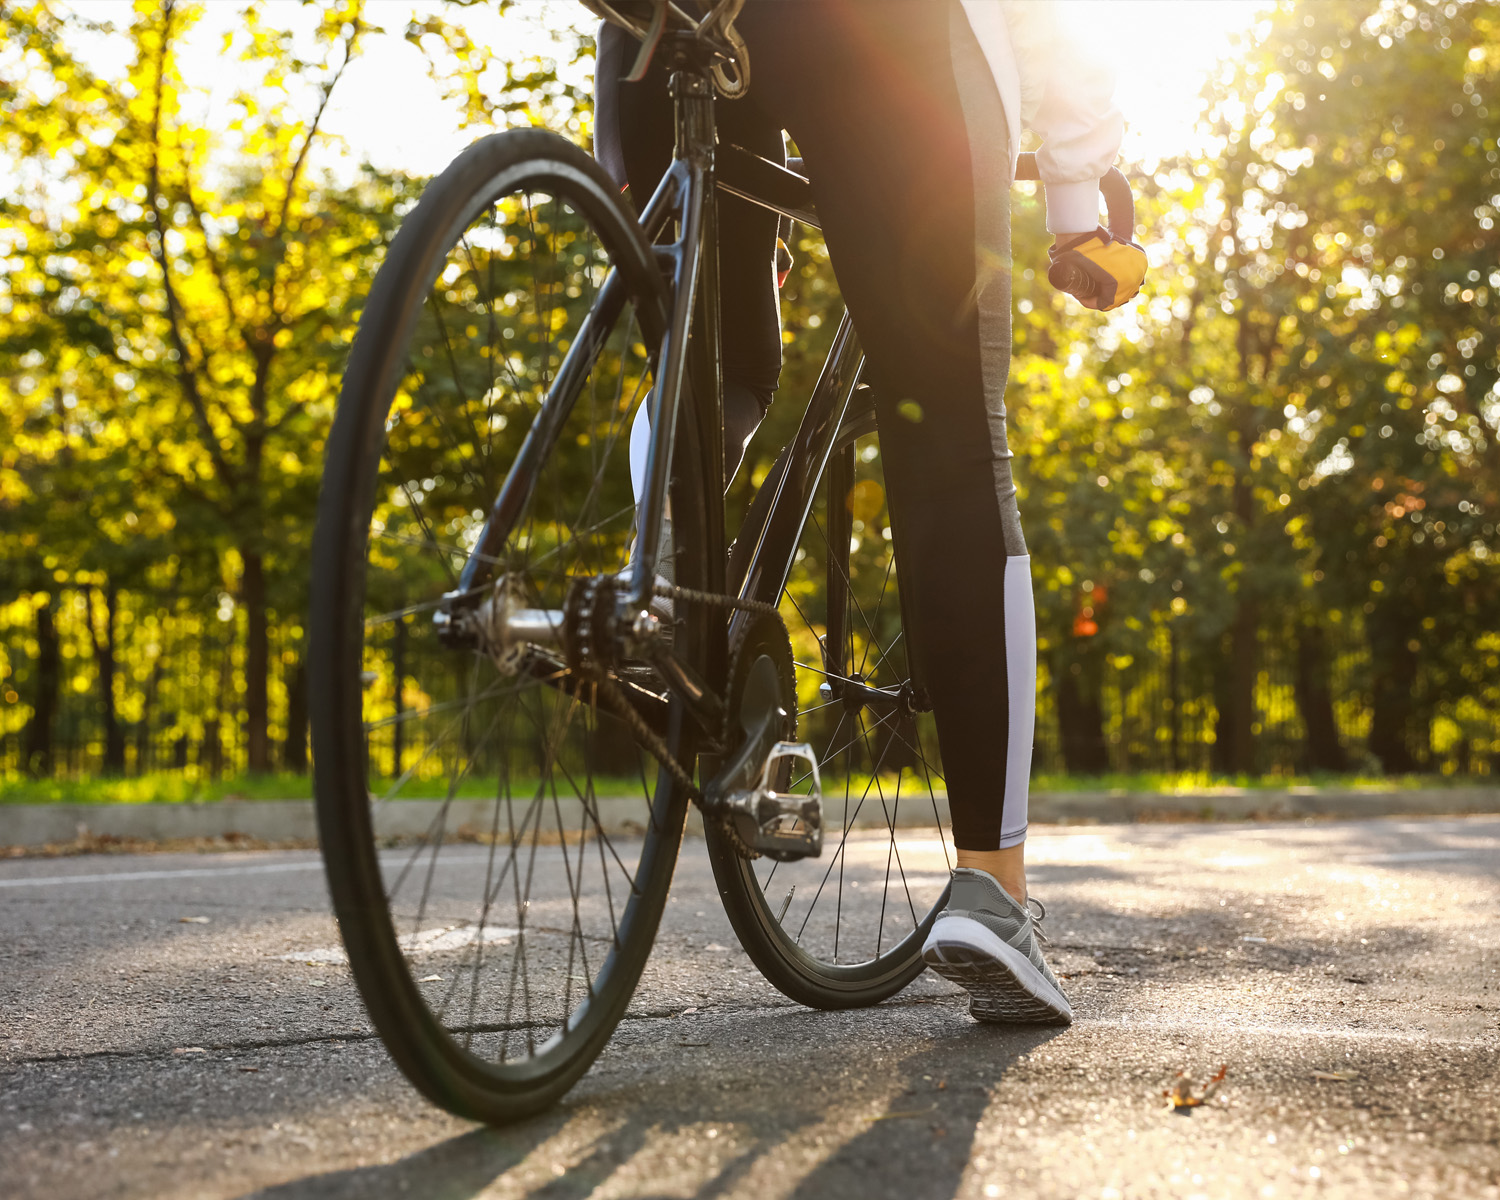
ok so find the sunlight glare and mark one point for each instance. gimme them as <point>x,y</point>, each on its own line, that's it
<point>1161,52</point>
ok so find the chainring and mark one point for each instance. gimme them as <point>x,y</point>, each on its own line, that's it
<point>763,635</point>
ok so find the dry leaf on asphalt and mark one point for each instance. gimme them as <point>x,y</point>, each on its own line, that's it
<point>1180,1097</point>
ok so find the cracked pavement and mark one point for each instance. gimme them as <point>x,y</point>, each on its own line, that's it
<point>1347,974</point>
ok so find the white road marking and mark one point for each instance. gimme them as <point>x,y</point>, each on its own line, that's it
<point>196,872</point>
<point>186,873</point>
<point>1420,855</point>
<point>427,941</point>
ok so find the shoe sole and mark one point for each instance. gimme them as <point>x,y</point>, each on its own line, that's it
<point>1003,985</point>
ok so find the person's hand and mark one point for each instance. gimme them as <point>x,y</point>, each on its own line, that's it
<point>1099,270</point>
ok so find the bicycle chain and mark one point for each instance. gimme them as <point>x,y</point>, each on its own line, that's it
<point>655,745</point>
<point>713,599</point>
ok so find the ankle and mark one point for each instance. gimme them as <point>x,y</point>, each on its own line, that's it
<point>1007,867</point>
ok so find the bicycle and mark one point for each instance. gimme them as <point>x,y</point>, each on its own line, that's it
<point>493,608</point>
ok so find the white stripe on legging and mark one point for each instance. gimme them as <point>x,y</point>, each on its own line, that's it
<point>1020,670</point>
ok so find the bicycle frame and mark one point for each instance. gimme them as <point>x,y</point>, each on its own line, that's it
<point>689,380</point>
<point>688,364</point>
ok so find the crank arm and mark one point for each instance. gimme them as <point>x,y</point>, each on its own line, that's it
<point>743,792</point>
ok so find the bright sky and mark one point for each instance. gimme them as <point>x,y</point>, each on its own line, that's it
<point>389,112</point>
<point>1162,52</point>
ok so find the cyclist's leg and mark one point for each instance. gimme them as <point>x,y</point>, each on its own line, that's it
<point>633,141</point>
<point>917,225</point>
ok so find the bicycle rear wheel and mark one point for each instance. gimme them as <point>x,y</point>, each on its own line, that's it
<point>846,929</point>
<point>498,846</point>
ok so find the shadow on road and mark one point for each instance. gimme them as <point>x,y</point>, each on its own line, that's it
<point>921,1144</point>
<point>918,1139</point>
<point>451,1170</point>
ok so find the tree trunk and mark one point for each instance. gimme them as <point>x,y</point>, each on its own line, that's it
<point>1080,720</point>
<point>143,756</point>
<point>36,755</point>
<point>211,755</point>
<point>1174,700</point>
<point>104,662</point>
<point>1221,753</point>
<point>398,665</point>
<point>1393,660</point>
<point>1315,699</point>
<point>257,661</point>
<point>294,749</point>
<point>1242,687</point>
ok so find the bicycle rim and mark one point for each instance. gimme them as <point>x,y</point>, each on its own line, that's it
<point>498,846</point>
<point>846,929</point>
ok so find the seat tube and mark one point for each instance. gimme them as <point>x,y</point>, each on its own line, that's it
<point>696,139</point>
<point>691,361</point>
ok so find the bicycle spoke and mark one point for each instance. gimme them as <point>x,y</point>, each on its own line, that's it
<point>510,948</point>
<point>416,509</point>
<point>849,820</point>
<point>446,547</point>
<point>848,583</point>
<point>397,614</point>
<point>892,848</point>
<point>885,583</point>
<point>450,705</point>
<point>838,921</point>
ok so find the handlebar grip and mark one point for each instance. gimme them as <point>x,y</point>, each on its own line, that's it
<point>1066,277</point>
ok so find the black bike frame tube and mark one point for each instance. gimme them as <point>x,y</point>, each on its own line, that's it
<point>705,350</point>
<point>840,528</point>
<point>693,163</point>
<point>520,480</point>
<point>777,539</point>
<point>768,184</point>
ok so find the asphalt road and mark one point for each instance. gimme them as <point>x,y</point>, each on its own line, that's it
<point>1346,974</point>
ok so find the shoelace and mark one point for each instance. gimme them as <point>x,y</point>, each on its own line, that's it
<point>1037,915</point>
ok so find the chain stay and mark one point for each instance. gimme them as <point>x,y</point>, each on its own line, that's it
<point>654,744</point>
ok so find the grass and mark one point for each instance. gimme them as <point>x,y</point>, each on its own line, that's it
<point>1172,783</point>
<point>163,788</point>
<point>175,789</point>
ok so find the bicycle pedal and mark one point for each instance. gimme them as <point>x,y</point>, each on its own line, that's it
<point>781,825</point>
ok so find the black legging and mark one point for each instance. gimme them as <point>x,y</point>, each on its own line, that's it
<point>900,126</point>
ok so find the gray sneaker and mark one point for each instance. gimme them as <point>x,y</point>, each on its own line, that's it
<point>987,944</point>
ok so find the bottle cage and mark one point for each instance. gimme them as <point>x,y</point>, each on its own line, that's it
<point>649,21</point>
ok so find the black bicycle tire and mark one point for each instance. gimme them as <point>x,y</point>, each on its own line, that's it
<point>431,1060</point>
<point>786,966</point>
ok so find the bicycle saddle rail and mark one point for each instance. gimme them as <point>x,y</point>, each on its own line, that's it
<point>649,20</point>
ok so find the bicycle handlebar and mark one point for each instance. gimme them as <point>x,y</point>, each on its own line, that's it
<point>1118,198</point>
<point>1120,202</point>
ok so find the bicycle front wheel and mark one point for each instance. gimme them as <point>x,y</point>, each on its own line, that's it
<point>498,845</point>
<point>846,929</point>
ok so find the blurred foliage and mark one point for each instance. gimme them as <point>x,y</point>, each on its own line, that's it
<point>1260,502</point>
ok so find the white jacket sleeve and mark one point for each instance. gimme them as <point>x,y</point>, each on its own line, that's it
<point>1068,99</point>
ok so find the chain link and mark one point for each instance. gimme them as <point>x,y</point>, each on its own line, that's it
<point>653,743</point>
<point>713,599</point>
